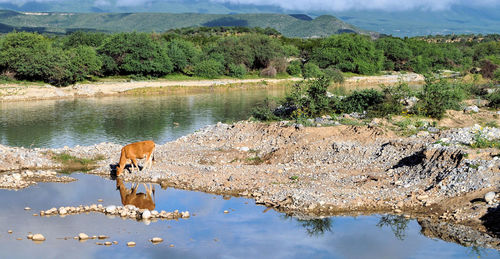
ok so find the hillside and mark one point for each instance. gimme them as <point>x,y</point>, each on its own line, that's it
<point>288,25</point>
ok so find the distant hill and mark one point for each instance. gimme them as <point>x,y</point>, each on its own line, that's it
<point>458,20</point>
<point>290,26</point>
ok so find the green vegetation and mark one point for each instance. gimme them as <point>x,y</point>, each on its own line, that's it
<point>482,142</point>
<point>75,163</point>
<point>310,99</point>
<point>238,52</point>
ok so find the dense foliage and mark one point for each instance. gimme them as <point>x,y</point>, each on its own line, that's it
<point>310,99</point>
<point>235,52</point>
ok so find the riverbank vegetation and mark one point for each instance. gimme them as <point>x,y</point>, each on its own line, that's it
<point>232,52</point>
<point>310,99</point>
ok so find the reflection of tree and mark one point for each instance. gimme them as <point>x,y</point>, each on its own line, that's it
<point>397,223</point>
<point>475,251</point>
<point>314,227</point>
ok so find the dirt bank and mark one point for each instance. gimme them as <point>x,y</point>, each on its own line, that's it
<point>23,92</point>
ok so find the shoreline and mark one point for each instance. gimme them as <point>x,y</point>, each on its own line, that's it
<point>310,171</point>
<point>23,92</point>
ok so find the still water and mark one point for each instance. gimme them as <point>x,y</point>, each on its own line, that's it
<point>58,123</point>
<point>245,232</point>
<point>248,231</point>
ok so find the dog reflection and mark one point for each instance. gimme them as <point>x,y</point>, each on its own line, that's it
<point>131,197</point>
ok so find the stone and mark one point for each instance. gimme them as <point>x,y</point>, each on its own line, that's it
<point>27,208</point>
<point>422,197</point>
<point>245,149</point>
<point>226,211</point>
<point>83,236</point>
<point>185,214</point>
<point>107,243</point>
<point>38,237</point>
<point>489,197</point>
<point>102,237</point>
<point>131,243</point>
<point>397,211</point>
<point>146,214</point>
<point>111,209</point>
<point>471,109</point>
<point>62,211</point>
<point>9,231</point>
<point>156,239</point>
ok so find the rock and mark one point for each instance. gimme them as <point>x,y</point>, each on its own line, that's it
<point>171,245</point>
<point>102,237</point>
<point>185,214</point>
<point>226,211</point>
<point>107,243</point>
<point>131,243</point>
<point>432,130</point>
<point>9,231</point>
<point>244,149</point>
<point>27,208</point>
<point>156,239</point>
<point>422,197</point>
<point>397,211</point>
<point>489,197</point>
<point>111,209</point>
<point>62,211</point>
<point>115,242</point>
<point>471,109</point>
<point>146,214</point>
<point>83,236</point>
<point>38,237</point>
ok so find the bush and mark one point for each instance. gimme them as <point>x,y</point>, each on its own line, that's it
<point>209,69</point>
<point>393,95</point>
<point>237,70</point>
<point>264,112</point>
<point>438,96</point>
<point>334,75</point>
<point>488,68</point>
<point>494,99</point>
<point>294,68</point>
<point>268,72</point>
<point>496,75</point>
<point>312,70</point>
<point>359,101</point>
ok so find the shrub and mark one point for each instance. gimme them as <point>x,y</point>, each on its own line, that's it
<point>311,70</point>
<point>237,70</point>
<point>488,68</point>
<point>359,101</point>
<point>209,69</point>
<point>438,96</point>
<point>334,75</point>
<point>496,75</point>
<point>294,68</point>
<point>279,64</point>
<point>494,99</point>
<point>264,112</point>
<point>268,72</point>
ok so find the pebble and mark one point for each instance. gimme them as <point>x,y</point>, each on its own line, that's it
<point>27,208</point>
<point>30,236</point>
<point>488,197</point>
<point>111,209</point>
<point>131,243</point>
<point>102,237</point>
<point>9,231</point>
<point>226,211</point>
<point>83,236</point>
<point>146,214</point>
<point>108,243</point>
<point>156,239</point>
<point>38,237</point>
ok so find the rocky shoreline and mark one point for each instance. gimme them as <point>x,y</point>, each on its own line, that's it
<point>313,171</point>
<point>21,92</point>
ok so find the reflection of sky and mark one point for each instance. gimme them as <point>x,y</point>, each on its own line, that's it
<point>246,232</point>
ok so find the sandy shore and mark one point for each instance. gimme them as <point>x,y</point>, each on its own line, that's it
<point>20,92</point>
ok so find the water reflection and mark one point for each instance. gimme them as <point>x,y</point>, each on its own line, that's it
<point>313,227</point>
<point>58,123</point>
<point>397,223</point>
<point>132,197</point>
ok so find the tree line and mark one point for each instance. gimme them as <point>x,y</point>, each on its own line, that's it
<point>234,52</point>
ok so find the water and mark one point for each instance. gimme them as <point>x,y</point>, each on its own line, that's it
<point>58,123</point>
<point>246,232</point>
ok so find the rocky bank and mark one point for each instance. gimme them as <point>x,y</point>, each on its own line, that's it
<point>315,171</point>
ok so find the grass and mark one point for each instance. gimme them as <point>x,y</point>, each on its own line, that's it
<point>294,178</point>
<point>71,162</point>
<point>482,142</point>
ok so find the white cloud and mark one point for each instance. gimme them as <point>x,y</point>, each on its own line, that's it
<point>343,5</point>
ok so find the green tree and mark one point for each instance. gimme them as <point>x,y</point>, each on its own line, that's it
<point>183,54</point>
<point>209,68</point>
<point>135,54</point>
<point>84,62</point>
<point>349,53</point>
<point>396,52</point>
<point>311,70</point>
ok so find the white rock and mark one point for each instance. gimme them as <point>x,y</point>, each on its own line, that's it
<point>131,243</point>
<point>38,237</point>
<point>185,214</point>
<point>62,211</point>
<point>244,149</point>
<point>156,239</point>
<point>111,209</point>
<point>146,214</point>
<point>83,236</point>
<point>488,197</point>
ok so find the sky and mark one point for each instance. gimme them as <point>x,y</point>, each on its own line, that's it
<point>312,5</point>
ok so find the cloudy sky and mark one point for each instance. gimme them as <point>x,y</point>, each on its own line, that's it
<point>311,5</point>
